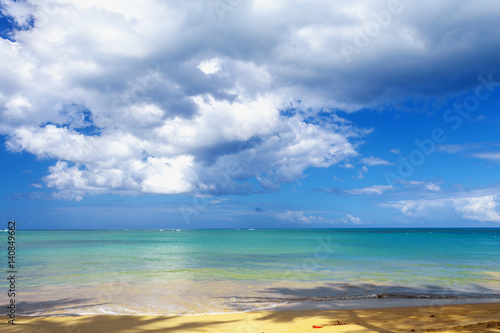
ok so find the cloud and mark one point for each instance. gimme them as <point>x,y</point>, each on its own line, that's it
<point>301,217</point>
<point>156,97</point>
<point>217,201</point>
<point>351,219</point>
<point>492,156</point>
<point>478,150</point>
<point>347,166</point>
<point>296,217</point>
<point>429,186</point>
<point>363,170</point>
<point>480,208</point>
<point>395,151</point>
<point>477,204</point>
<point>372,190</point>
<point>210,66</point>
<point>374,161</point>
<point>332,190</point>
<point>432,187</point>
<point>414,187</point>
<point>453,148</point>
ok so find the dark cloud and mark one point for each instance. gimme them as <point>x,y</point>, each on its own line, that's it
<point>161,123</point>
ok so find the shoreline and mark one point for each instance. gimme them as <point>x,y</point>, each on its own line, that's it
<point>356,304</point>
<point>476,317</point>
<point>216,297</point>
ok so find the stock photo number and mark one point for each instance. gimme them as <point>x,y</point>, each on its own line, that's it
<point>11,272</point>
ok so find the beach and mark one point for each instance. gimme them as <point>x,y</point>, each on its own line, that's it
<point>451,318</point>
<point>377,280</point>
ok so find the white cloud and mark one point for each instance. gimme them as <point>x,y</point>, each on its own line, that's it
<point>485,151</point>
<point>153,175</point>
<point>492,156</point>
<point>453,148</point>
<point>347,166</point>
<point>372,190</point>
<point>163,97</point>
<point>374,161</point>
<point>17,109</point>
<point>210,66</point>
<point>296,217</point>
<point>480,208</point>
<point>478,150</point>
<point>395,151</point>
<point>352,219</point>
<point>217,201</point>
<point>363,170</point>
<point>429,186</point>
<point>432,187</point>
<point>302,217</point>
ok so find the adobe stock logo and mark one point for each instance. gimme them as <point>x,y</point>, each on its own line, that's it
<point>453,116</point>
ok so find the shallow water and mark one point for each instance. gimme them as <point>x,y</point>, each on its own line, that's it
<point>207,271</point>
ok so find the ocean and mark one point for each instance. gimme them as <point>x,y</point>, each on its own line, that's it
<point>186,272</point>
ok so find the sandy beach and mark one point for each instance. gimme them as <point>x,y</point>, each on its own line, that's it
<point>449,318</point>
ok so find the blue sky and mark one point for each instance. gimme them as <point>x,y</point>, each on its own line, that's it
<point>251,115</point>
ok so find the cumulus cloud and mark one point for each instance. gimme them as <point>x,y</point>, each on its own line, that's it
<point>158,97</point>
<point>296,217</point>
<point>480,208</point>
<point>351,219</point>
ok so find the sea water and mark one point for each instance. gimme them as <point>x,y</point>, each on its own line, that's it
<point>206,271</point>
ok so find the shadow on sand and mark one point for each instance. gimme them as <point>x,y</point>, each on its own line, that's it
<point>340,293</point>
<point>78,323</point>
<point>338,296</point>
<point>331,293</point>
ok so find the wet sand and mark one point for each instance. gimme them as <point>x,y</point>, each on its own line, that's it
<point>184,297</point>
<point>444,318</point>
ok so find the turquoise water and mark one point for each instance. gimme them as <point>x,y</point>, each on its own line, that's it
<point>458,260</point>
<point>68,257</point>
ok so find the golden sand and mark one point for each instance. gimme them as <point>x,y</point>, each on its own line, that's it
<point>449,318</point>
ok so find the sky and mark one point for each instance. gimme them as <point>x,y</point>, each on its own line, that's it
<point>249,114</point>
